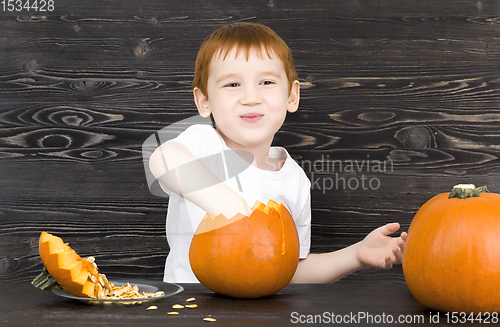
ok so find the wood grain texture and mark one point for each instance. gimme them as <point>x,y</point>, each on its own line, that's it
<point>412,85</point>
<point>346,300</point>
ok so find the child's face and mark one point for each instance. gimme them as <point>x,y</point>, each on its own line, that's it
<point>248,99</point>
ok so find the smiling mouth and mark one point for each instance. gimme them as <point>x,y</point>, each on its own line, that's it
<point>251,118</point>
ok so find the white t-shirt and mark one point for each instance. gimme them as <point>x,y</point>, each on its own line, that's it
<point>289,186</point>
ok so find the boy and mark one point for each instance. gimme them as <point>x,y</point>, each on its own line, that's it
<point>246,81</point>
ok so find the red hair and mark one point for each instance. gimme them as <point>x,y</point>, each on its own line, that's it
<point>242,36</point>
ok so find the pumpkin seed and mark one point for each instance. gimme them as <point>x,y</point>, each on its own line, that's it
<point>191,305</point>
<point>152,307</point>
<point>209,319</point>
<point>101,280</point>
<point>191,299</point>
<point>177,306</point>
<point>101,294</point>
<point>173,313</point>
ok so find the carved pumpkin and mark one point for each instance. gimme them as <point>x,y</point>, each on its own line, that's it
<point>451,260</point>
<point>76,275</point>
<point>246,257</point>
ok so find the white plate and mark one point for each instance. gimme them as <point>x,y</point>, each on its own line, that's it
<point>168,288</point>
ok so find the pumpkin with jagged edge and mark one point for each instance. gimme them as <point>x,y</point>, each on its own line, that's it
<point>246,256</point>
<point>75,274</point>
<point>451,260</point>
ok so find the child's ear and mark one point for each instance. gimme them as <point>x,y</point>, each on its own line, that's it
<point>294,97</point>
<point>201,102</point>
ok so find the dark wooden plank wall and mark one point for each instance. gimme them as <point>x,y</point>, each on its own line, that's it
<point>82,87</point>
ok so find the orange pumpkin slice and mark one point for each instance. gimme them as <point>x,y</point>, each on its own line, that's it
<point>72,272</point>
<point>246,257</point>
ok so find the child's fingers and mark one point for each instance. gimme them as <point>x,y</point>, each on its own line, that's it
<point>401,242</point>
<point>389,228</point>
<point>387,263</point>
<point>398,255</point>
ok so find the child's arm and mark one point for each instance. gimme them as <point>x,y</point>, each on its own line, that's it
<point>181,172</point>
<point>376,250</point>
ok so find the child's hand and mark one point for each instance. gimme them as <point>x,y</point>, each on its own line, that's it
<point>381,251</point>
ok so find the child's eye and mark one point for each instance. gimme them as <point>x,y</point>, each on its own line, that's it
<point>231,85</point>
<point>267,82</point>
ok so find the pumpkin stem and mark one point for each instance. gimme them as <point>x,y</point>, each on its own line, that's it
<point>46,282</point>
<point>463,191</point>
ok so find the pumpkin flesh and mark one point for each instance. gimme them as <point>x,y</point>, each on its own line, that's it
<point>451,260</point>
<point>246,257</point>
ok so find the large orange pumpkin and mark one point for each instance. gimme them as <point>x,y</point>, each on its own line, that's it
<point>451,260</point>
<point>76,275</point>
<point>246,257</point>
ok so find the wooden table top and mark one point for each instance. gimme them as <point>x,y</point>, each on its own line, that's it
<point>342,303</point>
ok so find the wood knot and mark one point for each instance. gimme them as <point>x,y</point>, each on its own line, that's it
<point>416,137</point>
<point>31,18</point>
<point>141,49</point>
<point>376,116</point>
<point>87,85</point>
<point>31,66</point>
<point>55,141</point>
<point>72,116</point>
<point>93,154</point>
<point>4,265</point>
<point>68,117</point>
<point>8,265</point>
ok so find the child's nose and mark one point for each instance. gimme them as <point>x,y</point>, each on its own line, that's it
<point>251,96</point>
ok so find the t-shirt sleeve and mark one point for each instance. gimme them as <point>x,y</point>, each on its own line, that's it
<point>201,140</point>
